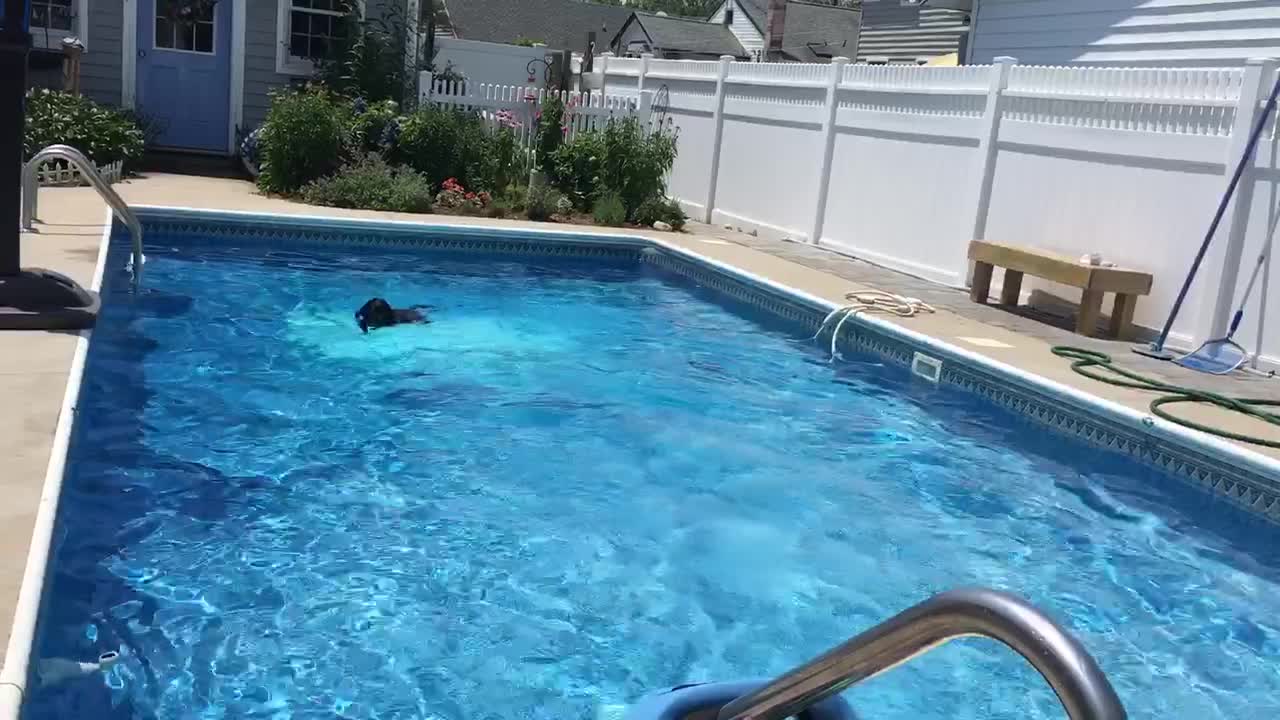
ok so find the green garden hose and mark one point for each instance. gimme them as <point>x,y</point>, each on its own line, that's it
<point>1099,366</point>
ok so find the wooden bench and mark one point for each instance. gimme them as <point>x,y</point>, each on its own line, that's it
<point>1094,280</point>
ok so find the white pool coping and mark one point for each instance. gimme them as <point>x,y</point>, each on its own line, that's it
<point>26,615</point>
<point>17,661</point>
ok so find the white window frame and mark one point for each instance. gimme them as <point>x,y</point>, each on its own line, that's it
<point>213,47</point>
<point>51,39</point>
<point>287,64</point>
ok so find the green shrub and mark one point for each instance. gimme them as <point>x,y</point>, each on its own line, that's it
<point>550,130</point>
<point>103,134</point>
<point>636,162</point>
<point>303,138</point>
<point>508,159</point>
<point>623,158</point>
<point>371,184</point>
<point>609,210</point>
<point>511,200</point>
<point>369,124</point>
<point>542,202</point>
<point>442,144</point>
<point>576,167</point>
<point>662,209</point>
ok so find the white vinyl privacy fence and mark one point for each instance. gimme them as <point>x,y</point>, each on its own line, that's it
<point>903,166</point>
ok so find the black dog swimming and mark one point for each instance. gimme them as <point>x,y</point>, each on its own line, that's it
<point>378,313</point>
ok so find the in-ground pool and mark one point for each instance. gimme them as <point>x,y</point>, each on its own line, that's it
<point>585,481</point>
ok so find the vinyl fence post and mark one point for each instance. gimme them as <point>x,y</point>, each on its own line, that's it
<point>645,111</point>
<point>984,167</point>
<point>426,82</point>
<point>717,138</point>
<point>604,72</point>
<point>834,77</point>
<point>1222,264</point>
<point>644,70</point>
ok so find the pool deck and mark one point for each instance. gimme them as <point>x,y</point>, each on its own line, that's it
<point>35,366</point>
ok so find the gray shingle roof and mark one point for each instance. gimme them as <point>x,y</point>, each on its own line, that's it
<point>812,33</point>
<point>561,24</point>
<point>689,35</point>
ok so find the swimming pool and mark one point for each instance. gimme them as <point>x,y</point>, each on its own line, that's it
<point>590,478</point>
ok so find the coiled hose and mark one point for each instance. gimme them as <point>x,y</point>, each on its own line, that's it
<point>1099,366</point>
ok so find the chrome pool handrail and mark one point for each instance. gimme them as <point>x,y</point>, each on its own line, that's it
<point>31,187</point>
<point>1080,684</point>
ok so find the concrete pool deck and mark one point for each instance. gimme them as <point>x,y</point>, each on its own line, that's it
<point>34,366</point>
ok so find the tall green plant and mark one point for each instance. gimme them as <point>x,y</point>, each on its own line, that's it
<point>303,138</point>
<point>637,162</point>
<point>443,143</point>
<point>576,168</point>
<point>369,60</point>
<point>624,158</point>
<point>550,130</point>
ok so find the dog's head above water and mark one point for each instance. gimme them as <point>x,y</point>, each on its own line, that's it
<point>375,314</point>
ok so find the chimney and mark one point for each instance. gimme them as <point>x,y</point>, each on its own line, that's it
<point>774,27</point>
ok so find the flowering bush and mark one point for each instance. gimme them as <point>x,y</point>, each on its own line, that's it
<point>453,196</point>
<point>102,133</point>
<point>508,119</point>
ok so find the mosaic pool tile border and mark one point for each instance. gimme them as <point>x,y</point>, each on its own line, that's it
<point>1242,486</point>
<point>456,239</point>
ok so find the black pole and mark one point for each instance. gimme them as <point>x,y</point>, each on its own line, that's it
<point>15,44</point>
<point>31,299</point>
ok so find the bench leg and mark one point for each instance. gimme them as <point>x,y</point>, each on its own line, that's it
<point>1011,290</point>
<point>1090,309</point>
<point>981,282</point>
<point>1122,316</point>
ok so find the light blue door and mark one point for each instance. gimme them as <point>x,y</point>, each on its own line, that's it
<point>184,72</point>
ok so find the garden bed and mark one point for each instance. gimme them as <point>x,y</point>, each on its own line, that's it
<point>328,149</point>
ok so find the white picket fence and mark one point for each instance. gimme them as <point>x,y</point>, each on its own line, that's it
<point>518,107</point>
<point>904,165</point>
<point>59,173</point>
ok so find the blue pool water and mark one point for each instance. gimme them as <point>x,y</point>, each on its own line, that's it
<point>582,483</point>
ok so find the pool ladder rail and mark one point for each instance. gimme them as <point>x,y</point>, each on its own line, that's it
<point>31,187</point>
<point>1081,686</point>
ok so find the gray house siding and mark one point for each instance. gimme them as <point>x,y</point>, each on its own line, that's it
<point>100,66</point>
<point>1220,33</point>
<point>101,63</point>
<point>905,34</point>
<point>260,76</point>
<point>742,27</point>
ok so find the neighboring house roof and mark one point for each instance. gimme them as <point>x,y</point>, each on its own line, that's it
<point>561,24</point>
<point>812,32</point>
<point>904,34</point>
<point>685,35</point>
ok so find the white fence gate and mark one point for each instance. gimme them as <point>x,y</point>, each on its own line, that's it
<point>903,166</point>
